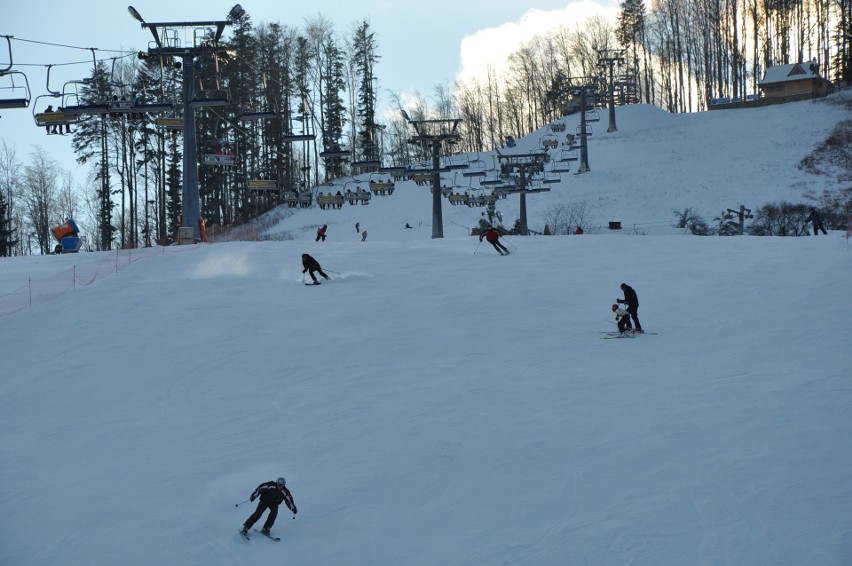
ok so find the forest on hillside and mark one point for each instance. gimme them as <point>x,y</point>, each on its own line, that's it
<point>290,108</point>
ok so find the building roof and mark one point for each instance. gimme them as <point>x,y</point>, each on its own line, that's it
<point>792,72</point>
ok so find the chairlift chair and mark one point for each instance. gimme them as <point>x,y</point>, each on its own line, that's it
<point>568,155</point>
<point>221,156</point>
<point>549,142</point>
<point>297,138</point>
<point>334,154</point>
<point>53,120</point>
<point>18,95</point>
<point>169,123</point>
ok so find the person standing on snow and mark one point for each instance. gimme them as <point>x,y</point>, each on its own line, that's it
<point>816,218</point>
<point>631,300</point>
<point>310,265</point>
<point>321,233</point>
<point>271,494</point>
<point>493,237</point>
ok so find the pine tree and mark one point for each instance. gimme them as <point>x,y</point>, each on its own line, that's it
<point>334,108</point>
<point>365,58</point>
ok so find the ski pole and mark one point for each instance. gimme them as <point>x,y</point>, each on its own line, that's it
<point>477,247</point>
<point>332,271</point>
<point>238,504</point>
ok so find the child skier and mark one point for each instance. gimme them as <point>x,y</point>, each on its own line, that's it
<point>623,318</point>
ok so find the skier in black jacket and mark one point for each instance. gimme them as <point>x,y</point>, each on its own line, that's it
<point>271,494</point>
<point>310,265</point>
<point>632,302</point>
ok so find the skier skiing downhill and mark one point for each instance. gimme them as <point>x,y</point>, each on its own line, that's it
<point>493,237</point>
<point>321,233</point>
<point>271,494</point>
<point>310,265</point>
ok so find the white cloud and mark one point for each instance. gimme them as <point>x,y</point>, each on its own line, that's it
<point>492,46</point>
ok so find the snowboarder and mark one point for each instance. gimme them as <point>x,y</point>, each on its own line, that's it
<point>632,303</point>
<point>623,318</point>
<point>816,218</point>
<point>493,237</point>
<point>271,494</point>
<point>364,236</point>
<point>321,233</point>
<point>310,265</point>
<point>358,227</point>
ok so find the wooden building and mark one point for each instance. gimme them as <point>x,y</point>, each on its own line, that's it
<point>800,80</point>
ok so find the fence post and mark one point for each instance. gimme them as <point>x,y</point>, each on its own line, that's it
<point>30,289</point>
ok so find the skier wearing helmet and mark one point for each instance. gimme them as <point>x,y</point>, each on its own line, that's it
<point>271,494</point>
<point>623,318</point>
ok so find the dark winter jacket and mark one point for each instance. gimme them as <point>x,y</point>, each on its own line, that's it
<point>814,217</point>
<point>630,298</point>
<point>310,263</point>
<point>273,496</point>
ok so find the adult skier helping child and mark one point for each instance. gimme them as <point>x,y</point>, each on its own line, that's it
<point>271,494</point>
<point>631,302</point>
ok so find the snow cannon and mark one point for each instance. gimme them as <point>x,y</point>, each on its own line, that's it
<point>67,236</point>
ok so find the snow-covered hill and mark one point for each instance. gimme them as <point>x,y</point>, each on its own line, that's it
<point>436,403</point>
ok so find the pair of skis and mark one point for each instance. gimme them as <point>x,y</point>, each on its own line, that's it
<point>245,536</point>
<point>608,335</point>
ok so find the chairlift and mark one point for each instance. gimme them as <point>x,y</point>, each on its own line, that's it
<point>592,116</point>
<point>217,97</point>
<point>549,142</point>
<point>256,116</point>
<point>298,138</point>
<point>560,166</point>
<point>557,127</point>
<point>568,155</point>
<point>19,94</point>
<point>262,184</point>
<point>219,156</point>
<point>152,108</point>
<point>334,154</point>
<point>366,165</point>
<point>396,170</point>
<point>169,123</point>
